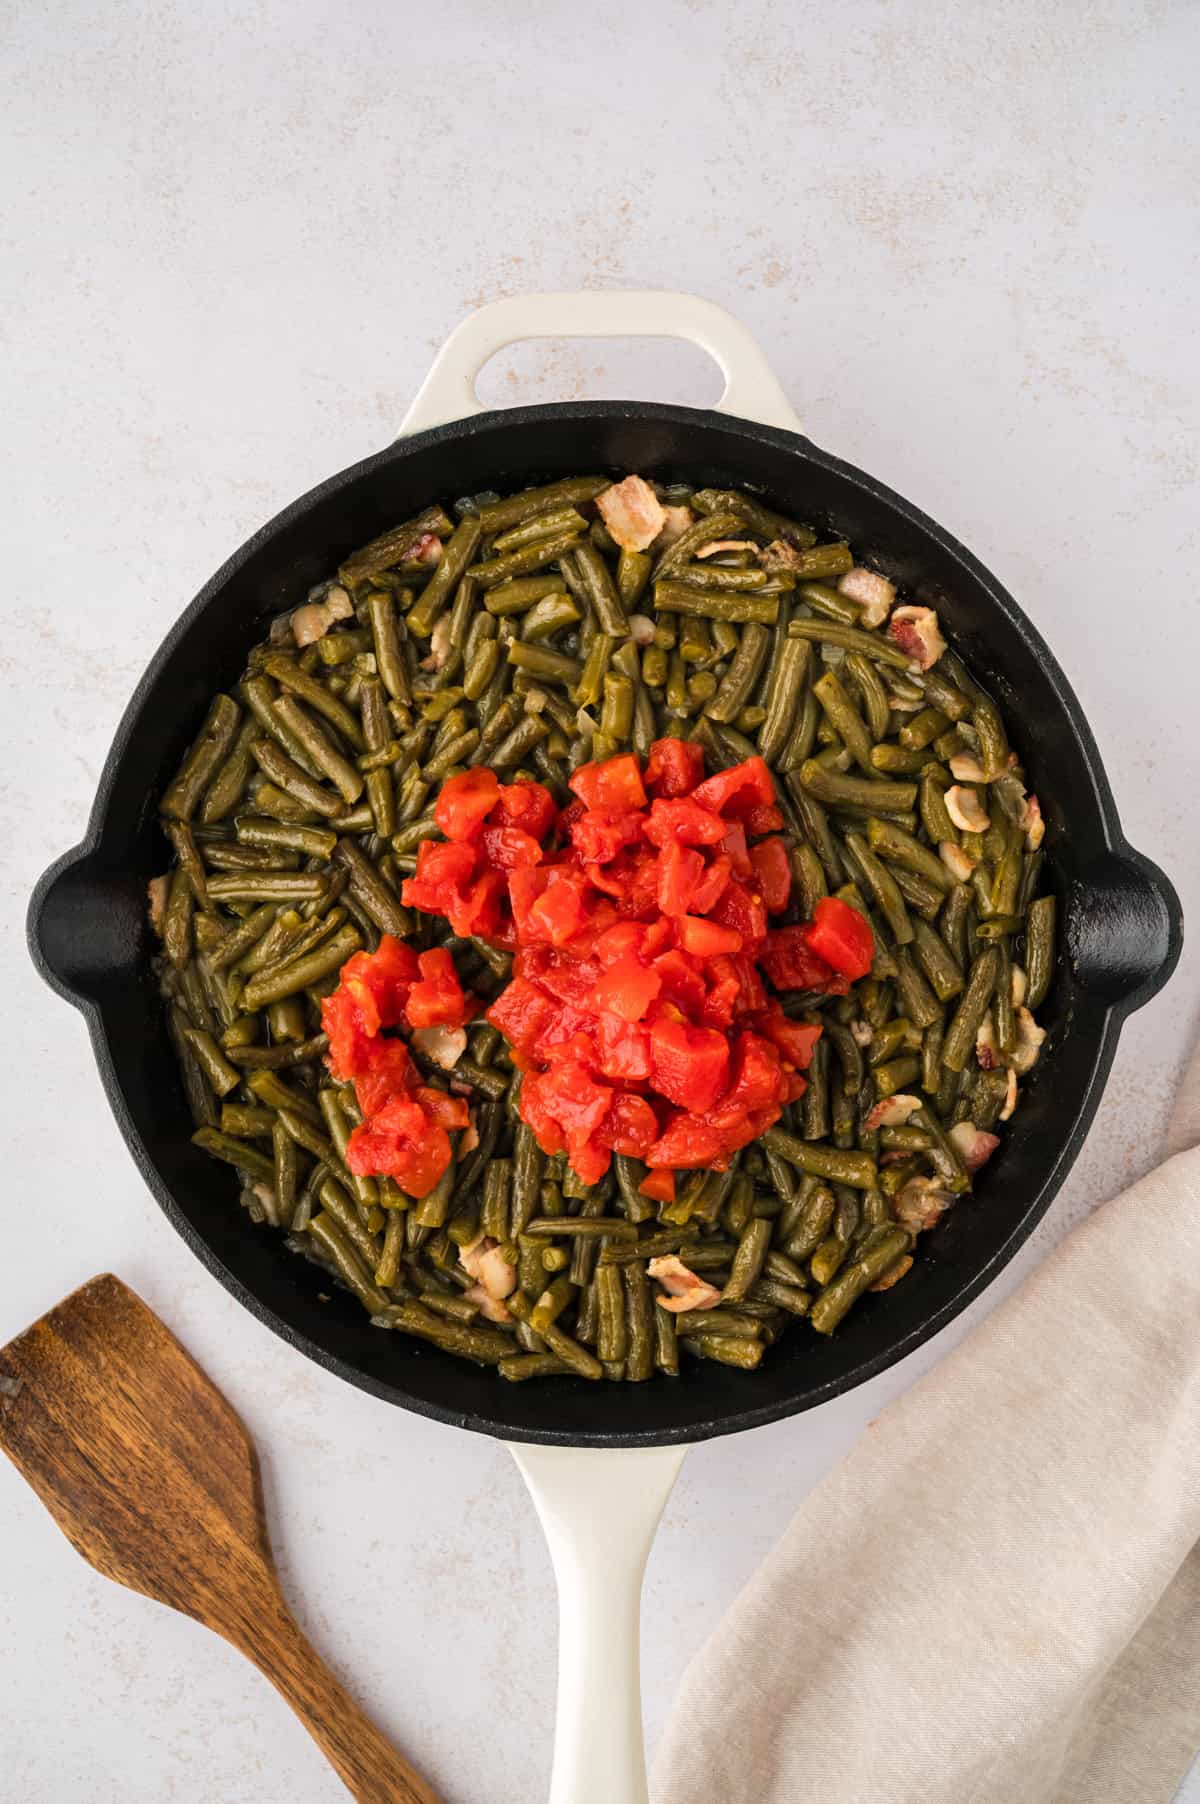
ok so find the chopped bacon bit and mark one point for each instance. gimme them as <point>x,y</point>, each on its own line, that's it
<point>1020,985</point>
<point>1010,1096</point>
<point>444,1045</point>
<point>916,632</point>
<point>492,1307</point>
<point>779,555</point>
<point>427,550</point>
<point>966,768</point>
<point>1031,823</point>
<point>960,864</point>
<point>862,1033</point>
<point>156,892</point>
<point>987,1050</point>
<point>966,810</point>
<point>632,513</point>
<point>470,1139</point>
<point>716,545</point>
<point>894,1273</point>
<point>439,645</point>
<point>685,1289</point>
<point>641,629</point>
<point>676,521</point>
<point>920,1204</point>
<point>314,619</point>
<point>973,1146</point>
<point>874,593</point>
<point>482,1260</point>
<point>893,1111</point>
<point>1029,1042</point>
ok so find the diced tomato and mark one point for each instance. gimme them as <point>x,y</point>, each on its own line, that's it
<point>561,909</point>
<point>712,884</point>
<point>755,1076</point>
<point>614,783</point>
<point>387,1071</point>
<point>791,964</point>
<point>674,767</point>
<point>763,819</point>
<point>600,833</point>
<point>627,938</point>
<point>464,802</point>
<point>521,1012</point>
<point>685,1143</point>
<point>724,989</point>
<point>742,909</point>
<point>680,870</point>
<point>751,995</point>
<point>445,883</point>
<point>437,1000</point>
<point>682,980</point>
<point>706,939</point>
<point>622,1050</point>
<point>630,1127</point>
<point>688,1064</point>
<point>448,1111</point>
<point>659,1186</point>
<point>842,937</point>
<point>627,989</point>
<point>527,806</point>
<point>506,848</point>
<point>774,873</point>
<point>736,791</point>
<point>795,1039</point>
<point>402,1142</point>
<point>734,847</point>
<point>684,822</point>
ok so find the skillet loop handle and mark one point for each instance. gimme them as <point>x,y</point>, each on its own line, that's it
<point>599,1511</point>
<point>751,389</point>
<point>84,927</point>
<point>1124,929</point>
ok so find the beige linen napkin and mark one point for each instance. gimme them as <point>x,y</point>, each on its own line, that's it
<point>995,1599</point>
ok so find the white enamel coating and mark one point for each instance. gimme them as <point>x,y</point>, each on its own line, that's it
<point>599,1509</point>
<point>751,389</point>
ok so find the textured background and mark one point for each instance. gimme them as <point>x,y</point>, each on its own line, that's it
<point>234,237</point>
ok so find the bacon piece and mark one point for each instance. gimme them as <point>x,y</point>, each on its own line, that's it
<point>973,1146</point>
<point>916,632</point>
<point>987,1049</point>
<point>482,1260</point>
<point>494,1308</point>
<point>1031,823</point>
<point>960,864</point>
<point>893,1111</point>
<point>314,619</point>
<point>156,895</point>
<point>874,593</point>
<point>715,545</point>
<point>966,768</point>
<point>632,513</point>
<point>1010,1096</point>
<point>444,1045</point>
<point>685,1289</point>
<point>966,810</point>
<point>920,1204</point>
<point>676,521</point>
<point>1029,1042</point>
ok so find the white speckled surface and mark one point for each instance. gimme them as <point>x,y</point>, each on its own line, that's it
<point>234,236</point>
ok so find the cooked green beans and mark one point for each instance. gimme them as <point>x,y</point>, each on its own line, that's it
<point>525,639</point>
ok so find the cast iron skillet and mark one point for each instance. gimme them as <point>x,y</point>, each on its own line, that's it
<point>1121,920</point>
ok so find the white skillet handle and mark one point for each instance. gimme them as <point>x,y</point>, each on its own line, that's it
<point>599,1511</point>
<point>751,390</point>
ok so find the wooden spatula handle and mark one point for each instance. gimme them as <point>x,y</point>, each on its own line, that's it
<point>374,1771</point>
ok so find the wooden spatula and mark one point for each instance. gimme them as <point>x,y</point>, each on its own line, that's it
<point>151,1475</point>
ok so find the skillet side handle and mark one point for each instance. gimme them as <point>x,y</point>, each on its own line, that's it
<point>599,1511</point>
<point>82,927</point>
<point>1124,929</point>
<point>751,388</point>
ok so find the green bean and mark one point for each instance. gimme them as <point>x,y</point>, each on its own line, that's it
<point>320,748</point>
<point>389,657</point>
<point>1039,950</point>
<point>518,1366</point>
<point>294,975</point>
<point>497,516</point>
<point>938,962</point>
<point>295,782</point>
<point>666,1346</point>
<point>850,638</point>
<point>822,1161</point>
<point>258,830</point>
<point>639,1317</point>
<point>744,669</point>
<point>222,1077</point>
<point>239,1153</point>
<point>528,1165</point>
<point>883,887</point>
<point>318,695</point>
<point>832,786</point>
<point>722,576</point>
<point>959,1043</point>
<point>715,604</point>
<point>942,694</point>
<point>327,1234</point>
<point>838,1296</point>
<point>572,1354</point>
<point>748,1260</point>
<point>829,603</point>
<point>203,759</point>
<point>527,559</point>
<point>371,891</point>
<point>726,1350</point>
<point>227,786</point>
<point>540,526</point>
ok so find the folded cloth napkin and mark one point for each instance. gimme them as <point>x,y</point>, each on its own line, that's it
<point>995,1599</point>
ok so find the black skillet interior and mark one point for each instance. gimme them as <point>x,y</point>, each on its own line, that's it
<point>1122,926</point>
